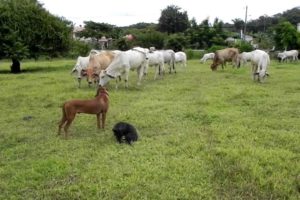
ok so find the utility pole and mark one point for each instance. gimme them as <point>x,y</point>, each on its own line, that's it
<point>245,25</point>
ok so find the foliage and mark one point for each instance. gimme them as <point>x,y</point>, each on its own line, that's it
<point>123,44</point>
<point>79,48</point>
<point>147,37</point>
<point>194,54</point>
<point>97,30</point>
<point>292,15</point>
<point>142,25</point>
<point>172,20</point>
<point>176,42</point>
<point>265,40</point>
<point>203,135</point>
<point>286,36</point>
<point>243,46</point>
<point>238,24</point>
<point>205,35</point>
<point>263,23</point>
<point>214,48</point>
<point>28,30</point>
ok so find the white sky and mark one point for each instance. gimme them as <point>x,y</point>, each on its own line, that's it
<point>128,12</point>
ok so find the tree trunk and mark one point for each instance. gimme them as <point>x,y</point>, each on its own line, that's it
<point>16,66</point>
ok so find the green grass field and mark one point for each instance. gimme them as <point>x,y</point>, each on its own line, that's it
<point>203,135</point>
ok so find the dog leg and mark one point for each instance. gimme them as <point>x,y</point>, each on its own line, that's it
<point>98,120</point>
<point>62,121</point>
<point>103,119</point>
<point>66,128</point>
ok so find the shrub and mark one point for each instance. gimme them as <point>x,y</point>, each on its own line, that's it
<point>214,48</point>
<point>176,42</point>
<point>78,48</point>
<point>243,46</point>
<point>194,54</point>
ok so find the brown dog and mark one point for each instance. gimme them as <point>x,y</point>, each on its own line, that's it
<point>98,105</point>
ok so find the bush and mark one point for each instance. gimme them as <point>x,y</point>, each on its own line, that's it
<point>176,42</point>
<point>214,48</point>
<point>122,44</point>
<point>150,39</point>
<point>194,54</point>
<point>79,48</point>
<point>244,46</point>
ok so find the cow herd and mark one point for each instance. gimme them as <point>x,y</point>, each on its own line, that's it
<point>260,60</point>
<point>102,66</point>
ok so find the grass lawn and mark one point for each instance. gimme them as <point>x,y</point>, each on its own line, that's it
<point>203,135</point>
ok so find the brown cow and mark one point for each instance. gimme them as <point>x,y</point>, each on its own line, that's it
<point>224,55</point>
<point>97,63</point>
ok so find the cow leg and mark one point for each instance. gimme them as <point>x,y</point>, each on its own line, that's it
<point>140,74</point>
<point>255,71</point>
<point>126,77</point>
<point>79,82</point>
<point>162,69</point>
<point>173,64</point>
<point>157,69</point>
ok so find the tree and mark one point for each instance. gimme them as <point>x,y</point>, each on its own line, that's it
<point>238,24</point>
<point>172,20</point>
<point>293,15</point>
<point>28,30</point>
<point>97,30</point>
<point>176,42</point>
<point>286,36</point>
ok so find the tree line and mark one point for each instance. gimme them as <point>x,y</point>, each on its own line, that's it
<point>27,30</point>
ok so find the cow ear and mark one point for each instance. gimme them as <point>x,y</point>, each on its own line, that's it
<point>83,72</point>
<point>96,75</point>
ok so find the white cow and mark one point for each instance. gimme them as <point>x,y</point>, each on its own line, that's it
<point>156,58</point>
<point>260,61</point>
<point>244,57</point>
<point>180,57</point>
<point>133,59</point>
<point>292,54</point>
<point>207,56</point>
<point>80,67</point>
<point>169,58</point>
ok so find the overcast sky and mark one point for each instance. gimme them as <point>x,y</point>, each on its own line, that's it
<point>128,12</point>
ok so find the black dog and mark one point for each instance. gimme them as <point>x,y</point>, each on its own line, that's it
<point>125,131</point>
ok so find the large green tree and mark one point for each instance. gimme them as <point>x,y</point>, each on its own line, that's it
<point>205,34</point>
<point>286,36</point>
<point>172,20</point>
<point>28,30</point>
